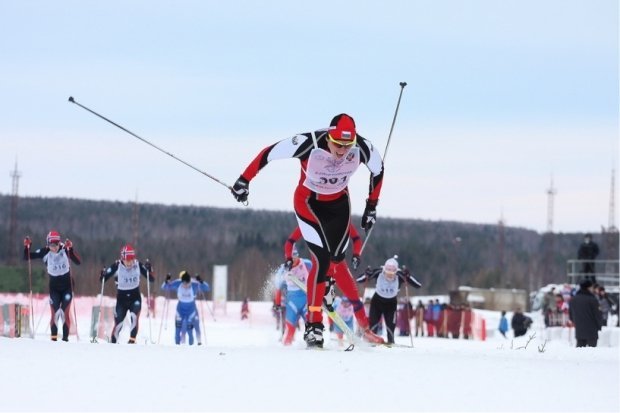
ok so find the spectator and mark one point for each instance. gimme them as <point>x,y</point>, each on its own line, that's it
<point>548,306</point>
<point>245,308</point>
<point>428,319</point>
<point>454,314</point>
<point>605,303</point>
<point>467,321</point>
<point>588,251</point>
<point>520,323</point>
<point>585,315</point>
<point>503,324</point>
<point>403,318</point>
<point>419,319</point>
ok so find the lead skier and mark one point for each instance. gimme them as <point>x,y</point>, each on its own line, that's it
<point>328,158</point>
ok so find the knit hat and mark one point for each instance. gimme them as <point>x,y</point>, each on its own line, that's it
<point>128,252</point>
<point>342,129</point>
<point>586,284</point>
<point>53,237</point>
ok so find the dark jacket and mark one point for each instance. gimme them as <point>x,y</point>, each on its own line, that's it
<point>518,323</point>
<point>585,314</point>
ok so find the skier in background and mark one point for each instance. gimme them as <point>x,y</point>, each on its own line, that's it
<point>186,318</point>
<point>56,257</point>
<point>127,273</point>
<point>345,309</point>
<point>343,279</point>
<point>328,158</point>
<point>383,303</point>
<point>296,300</point>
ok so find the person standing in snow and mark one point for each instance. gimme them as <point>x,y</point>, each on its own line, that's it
<point>127,272</point>
<point>328,157</point>
<point>389,279</point>
<point>245,308</point>
<point>186,317</point>
<point>585,314</point>
<point>503,324</point>
<point>296,299</point>
<point>341,275</point>
<point>56,257</point>
<point>588,251</point>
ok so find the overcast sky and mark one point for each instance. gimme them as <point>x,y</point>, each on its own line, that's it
<point>501,97</point>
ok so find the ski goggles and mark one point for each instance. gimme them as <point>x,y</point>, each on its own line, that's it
<point>339,143</point>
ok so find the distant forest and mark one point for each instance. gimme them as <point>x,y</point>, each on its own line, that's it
<point>442,255</point>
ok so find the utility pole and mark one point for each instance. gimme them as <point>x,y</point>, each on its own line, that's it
<point>11,253</point>
<point>611,233</point>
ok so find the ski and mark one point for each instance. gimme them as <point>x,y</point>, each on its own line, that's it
<point>331,313</point>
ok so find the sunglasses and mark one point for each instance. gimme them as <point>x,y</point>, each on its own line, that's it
<point>340,144</point>
<point>54,243</point>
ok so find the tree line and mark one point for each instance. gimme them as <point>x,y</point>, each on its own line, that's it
<point>442,254</point>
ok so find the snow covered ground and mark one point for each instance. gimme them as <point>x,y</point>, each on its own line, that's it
<point>243,367</point>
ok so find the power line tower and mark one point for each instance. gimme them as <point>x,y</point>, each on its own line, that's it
<point>11,252</point>
<point>611,232</point>
<point>501,229</point>
<point>135,221</point>
<point>548,274</point>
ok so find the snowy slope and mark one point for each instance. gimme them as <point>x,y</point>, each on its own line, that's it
<point>242,367</point>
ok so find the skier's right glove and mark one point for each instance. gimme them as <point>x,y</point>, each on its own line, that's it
<point>355,261</point>
<point>241,189</point>
<point>198,278</point>
<point>27,242</point>
<point>288,264</point>
<point>330,294</point>
<point>102,275</point>
<point>168,277</point>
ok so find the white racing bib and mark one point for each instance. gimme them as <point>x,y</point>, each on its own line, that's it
<point>327,175</point>
<point>128,277</point>
<point>185,294</point>
<point>387,288</point>
<point>57,263</point>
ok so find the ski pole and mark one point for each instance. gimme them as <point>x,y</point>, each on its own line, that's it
<point>151,144</point>
<point>77,334</point>
<point>165,312</point>
<point>387,146</point>
<point>407,307</point>
<point>94,338</point>
<point>30,284</point>
<point>148,299</point>
<point>208,307</point>
<point>201,319</point>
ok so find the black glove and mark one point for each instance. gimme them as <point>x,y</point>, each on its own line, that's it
<point>288,264</point>
<point>370,215</point>
<point>330,294</point>
<point>241,189</point>
<point>198,278</point>
<point>368,270</point>
<point>168,277</point>
<point>355,261</point>
<point>405,272</point>
<point>148,266</point>
<point>102,275</point>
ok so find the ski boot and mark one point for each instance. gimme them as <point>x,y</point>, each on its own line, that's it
<point>313,336</point>
<point>371,337</point>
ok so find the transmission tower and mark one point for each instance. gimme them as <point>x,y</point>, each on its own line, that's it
<point>612,203</point>
<point>500,247</point>
<point>11,251</point>
<point>611,233</point>
<point>548,272</point>
<point>136,221</point>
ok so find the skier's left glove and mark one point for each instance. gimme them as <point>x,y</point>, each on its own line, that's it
<point>355,261</point>
<point>370,215</point>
